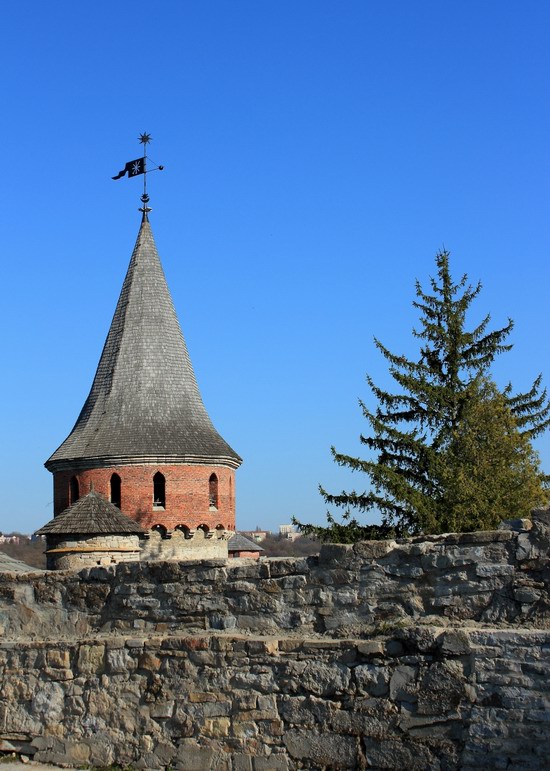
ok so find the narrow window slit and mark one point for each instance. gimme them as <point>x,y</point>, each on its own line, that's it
<point>159,491</point>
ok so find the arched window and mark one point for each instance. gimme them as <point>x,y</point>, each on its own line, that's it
<point>115,490</point>
<point>159,491</point>
<point>74,490</point>
<point>213,491</point>
<point>185,530</point>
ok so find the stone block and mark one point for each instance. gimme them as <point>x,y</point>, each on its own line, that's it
<point>268,702</point>
<point>371,679</point>
<point>527,595</point>
<point>201,697</point>
<point>403,571</point>
<point>487,571</point>
<point>91,659</point>
<point>371,648</point>
<point>162,709</point>
<point>324,679</point>
<point>220,708</point>
<point>271,727</point>
<point>244,700</point>
<point>17,746</point>
<point>103,752</point>
<point>194,758</point>
<point>441,689</point>
<point>435,561</point>
<point>454,643</point>
<point>264,682</point>
<point>149,662</point>
<point>58,659</point>
<point>222,621</point>
<point>399,754</point>
<point>242,762</point>
<point>403,684</point>
<point>255,647</point>
<point>43,743</point>
<point>58,674</point>
<point>216,727</point>
<point>244,729</point>
<point>306,711</point>
<point>361,723</point>
<point>288,566</point>
<point>48,702</point>
<point>516,525</point>
<point>120,661</point>
<point>329,750</point>
<point>485,536</point>
<point>371,550</point>
<point>135,642</point>
<point>337,555</point>
<point>148,762</point>
<point>542,515</point>
<point>272,763</point>
<point>78,753</point>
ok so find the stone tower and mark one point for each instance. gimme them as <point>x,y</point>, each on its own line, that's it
<point>143,439</point>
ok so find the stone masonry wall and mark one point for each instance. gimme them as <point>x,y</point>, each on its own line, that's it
<point>74,553</point>
<point>424,654</point>
<point>419,699</point>
<point>70,552</point>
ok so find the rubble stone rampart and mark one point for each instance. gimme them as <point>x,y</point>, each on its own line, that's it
<point>424,654</point>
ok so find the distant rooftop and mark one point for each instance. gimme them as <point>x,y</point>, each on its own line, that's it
<point>238,542</point>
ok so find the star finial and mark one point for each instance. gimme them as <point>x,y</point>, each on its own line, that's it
<point>145,138</point>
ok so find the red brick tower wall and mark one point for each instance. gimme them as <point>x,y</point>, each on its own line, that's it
<point>187,494</point>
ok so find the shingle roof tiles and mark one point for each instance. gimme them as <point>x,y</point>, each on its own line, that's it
<point>91,514</point>
<point>238,542</point>
<point>144,401</point>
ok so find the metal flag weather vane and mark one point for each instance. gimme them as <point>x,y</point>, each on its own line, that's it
<point>139,166</point>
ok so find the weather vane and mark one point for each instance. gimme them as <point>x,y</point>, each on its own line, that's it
<point>139,166</point>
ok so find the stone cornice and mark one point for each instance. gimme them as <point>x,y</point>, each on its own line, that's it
<point>109,461</point>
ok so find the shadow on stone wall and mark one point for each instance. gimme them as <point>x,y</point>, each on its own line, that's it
<point>423,654</point>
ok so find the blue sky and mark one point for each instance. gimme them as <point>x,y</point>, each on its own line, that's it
<point>317,155</point>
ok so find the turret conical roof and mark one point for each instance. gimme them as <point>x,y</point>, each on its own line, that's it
<point>144,405</point>
<point>91,514</point>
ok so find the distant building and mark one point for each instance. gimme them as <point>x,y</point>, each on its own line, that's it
<point>289,532</point>
<point>255,535</point>
<point>12,538</point>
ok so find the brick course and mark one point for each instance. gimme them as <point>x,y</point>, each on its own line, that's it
<point>187,493</point>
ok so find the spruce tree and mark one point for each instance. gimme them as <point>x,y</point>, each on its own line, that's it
<point>448,450</point>
<point>488,470</point>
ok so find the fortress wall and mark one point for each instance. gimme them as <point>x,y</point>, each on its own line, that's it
<point>348,591</point>
<point>423,698</point>
<point>424,654</point>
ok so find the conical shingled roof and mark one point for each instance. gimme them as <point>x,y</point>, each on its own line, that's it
<point>91,514</point>
<point>144,405</point>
